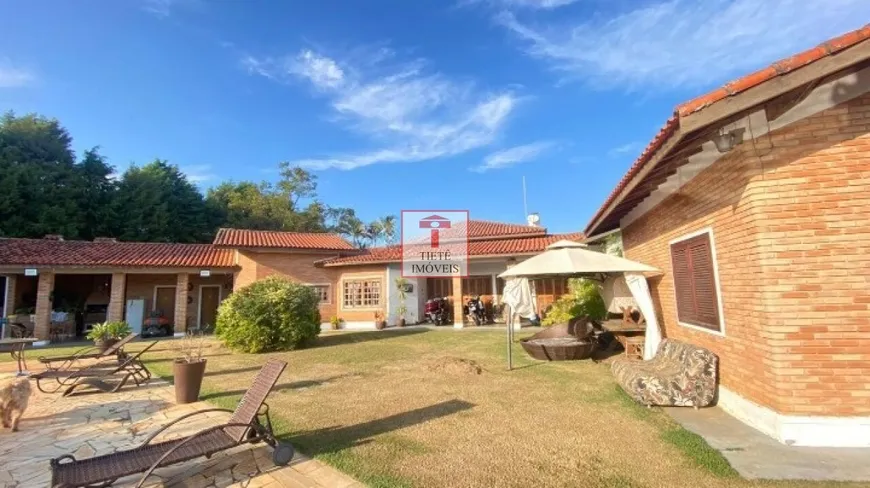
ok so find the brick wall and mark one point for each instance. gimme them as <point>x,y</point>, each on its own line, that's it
<point>142,286</point>
<point>295,266</point>
<point>814,228</point>
<point>790,217</point>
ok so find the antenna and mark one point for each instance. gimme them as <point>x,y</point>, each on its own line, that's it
<point>525,204</point>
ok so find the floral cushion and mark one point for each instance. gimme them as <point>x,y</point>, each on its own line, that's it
<point>680,375</point>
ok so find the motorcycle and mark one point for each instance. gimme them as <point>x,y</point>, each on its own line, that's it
<point>156,325</point>
<point>476,310</point>
<point>437,311</point>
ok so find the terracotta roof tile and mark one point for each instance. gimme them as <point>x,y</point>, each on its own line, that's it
<point>485,228</point>
<point>491,247</point>
<point>280,240</point>
<point>778,68</point>
<point>731,88</point>
<point>42,252</point>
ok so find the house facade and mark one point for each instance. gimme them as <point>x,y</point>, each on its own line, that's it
<point>43,280</point>
<point>755,202</point>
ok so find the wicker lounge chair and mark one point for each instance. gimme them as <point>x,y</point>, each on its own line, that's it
<point>680,375</point>
<point>65,362</point>
<point>562,342</point>
<point>108,376</point>
<point>243,427</point>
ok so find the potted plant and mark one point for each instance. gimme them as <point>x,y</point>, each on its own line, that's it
<point>188,368</point>
<point>107,334</point>
<point>335,322</point>
<point>401,291</point>
<point>380,323</point>
<point>401,310</point>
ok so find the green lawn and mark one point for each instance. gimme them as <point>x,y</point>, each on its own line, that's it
<point>397,408</point>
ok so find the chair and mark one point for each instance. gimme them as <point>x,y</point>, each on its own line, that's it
<point>20,331</point>
<point>87,353</point>
<point>680,375</point>
<point>243,427</point>
<point>634,347</point>
<point>98,375</point>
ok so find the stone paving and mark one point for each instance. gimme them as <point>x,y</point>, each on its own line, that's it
<point>95,424</point>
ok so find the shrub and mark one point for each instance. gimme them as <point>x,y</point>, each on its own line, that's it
<point>108,330</point>
<point>274,314</point>
<point>583,299</point>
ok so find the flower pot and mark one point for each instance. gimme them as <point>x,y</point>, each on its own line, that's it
<point>188,380</point>
<point>380,324</point>
<point>103,344</point>
<point>401,322</point>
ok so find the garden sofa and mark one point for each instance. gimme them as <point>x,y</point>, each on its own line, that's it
<point>680,375</point>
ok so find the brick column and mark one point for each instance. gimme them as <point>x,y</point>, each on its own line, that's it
<point>458,316</point>
<point>43,305</point>
<point>115,313</point>
<point>181,294</point>
<point>11,291</point>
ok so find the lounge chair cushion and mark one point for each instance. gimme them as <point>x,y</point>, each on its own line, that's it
<point>680,374</point>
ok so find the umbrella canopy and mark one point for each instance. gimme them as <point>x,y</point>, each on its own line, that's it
<point>572,258</point>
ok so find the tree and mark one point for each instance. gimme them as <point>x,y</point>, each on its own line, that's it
<point>157,203</point>
<point>388,226</point>
<point>36,178</point>
<point>95,192</point>
<point>267,206</point>
<point>374,232</point>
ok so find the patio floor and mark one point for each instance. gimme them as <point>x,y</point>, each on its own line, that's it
<point>756,456</point>
<point>102,423</point>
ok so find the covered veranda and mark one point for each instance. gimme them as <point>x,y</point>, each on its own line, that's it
<point>61,303</point>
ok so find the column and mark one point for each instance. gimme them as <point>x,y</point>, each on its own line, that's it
<point>11,292</point>
<point>44,289</point>
<point>494,290</point>
<point>181,295</point>
<point>115,313</point>
<point>458,316</point>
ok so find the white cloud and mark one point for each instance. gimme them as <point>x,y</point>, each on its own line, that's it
<point>160,8</point>
<point>14,77</point>
<point>165,8</point>
<point>627,148</point>
<point>198,173</point>
<point>685,42</point>
<point>530,4</point>
<point>513,156</point>
<point>411,114</point>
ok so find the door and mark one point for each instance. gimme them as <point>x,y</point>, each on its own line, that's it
<point>209,299</point>
<point>164,301</point>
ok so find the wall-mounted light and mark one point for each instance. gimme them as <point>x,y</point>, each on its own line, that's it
<point>725,140</point>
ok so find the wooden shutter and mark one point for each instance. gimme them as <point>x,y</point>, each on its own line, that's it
<point>695,282</point>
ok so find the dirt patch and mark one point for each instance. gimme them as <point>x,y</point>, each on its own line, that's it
<point>453,366</point>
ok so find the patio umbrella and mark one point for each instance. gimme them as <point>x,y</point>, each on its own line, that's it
<point>568,258</point>
<point>572,258</point>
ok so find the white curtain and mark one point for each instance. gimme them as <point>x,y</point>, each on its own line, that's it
<point>640,290</point>
<point>518,294</point>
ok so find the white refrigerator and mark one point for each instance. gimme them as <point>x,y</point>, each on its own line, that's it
<point>135,314</point>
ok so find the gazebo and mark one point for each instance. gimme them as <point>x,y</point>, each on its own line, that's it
<point>568,258</point>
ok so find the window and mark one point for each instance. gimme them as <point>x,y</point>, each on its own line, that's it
<point>362,293</point>
<point>322,292</point>
<point>695,282</point>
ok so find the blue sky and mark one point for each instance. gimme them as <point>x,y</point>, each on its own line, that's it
<point>395,104</point>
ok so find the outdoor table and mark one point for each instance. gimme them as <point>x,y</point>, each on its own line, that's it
<point>622,330</point>
<point>16,348</point>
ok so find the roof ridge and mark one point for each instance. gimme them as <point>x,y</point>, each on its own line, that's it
<point>279,231</point>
